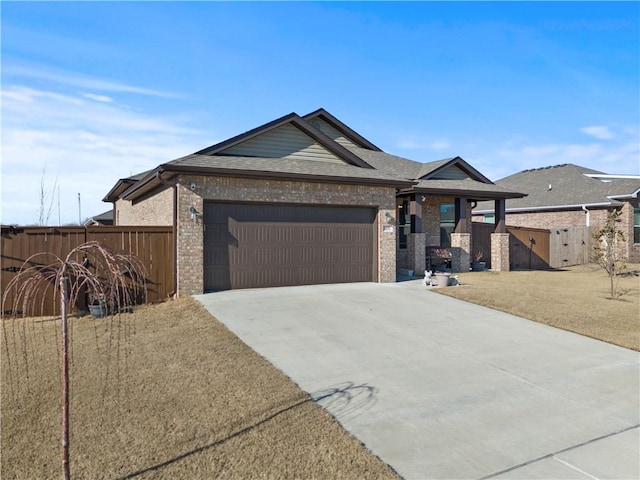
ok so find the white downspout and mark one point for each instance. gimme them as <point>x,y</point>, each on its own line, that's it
<point>586,210</point>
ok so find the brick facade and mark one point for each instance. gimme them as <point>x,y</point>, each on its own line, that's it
<point>150,210</point>
<point>230,189</point>
<point>632,250</point>
<point>557,219</point>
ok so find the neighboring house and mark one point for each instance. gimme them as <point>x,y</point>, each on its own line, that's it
<point>306,200</point>
<point>104,218</point>
<point>568,195</point>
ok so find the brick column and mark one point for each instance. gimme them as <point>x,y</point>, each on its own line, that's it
<point>416,253</point>
<point>386,245</point>
<point>190,243</point>
<point>500,252</point>
<point>461,248</point>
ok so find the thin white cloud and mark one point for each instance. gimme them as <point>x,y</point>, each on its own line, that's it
<point>89,144</point>
<point>600,132</point>
<point>97,98</point>
<point>81,81</point>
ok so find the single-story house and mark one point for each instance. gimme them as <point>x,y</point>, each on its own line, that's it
<point>569,195</point>
<point>308,200</point>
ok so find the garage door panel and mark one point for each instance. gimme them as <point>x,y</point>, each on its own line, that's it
<point>248,246</point>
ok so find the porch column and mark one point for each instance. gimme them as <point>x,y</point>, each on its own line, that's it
<point>461,238</point>
<point>500,252</point>
<point>500,218</point>
<point>500,239</point>
<point>416,253</point>
<point>460,247</point>
<point>461,215</point>
<point>416,250</point>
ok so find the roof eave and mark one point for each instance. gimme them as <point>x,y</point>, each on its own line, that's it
<point>555,207</point>
<point>121,186</point>
<point>154,180</point>
<point>469,193</point>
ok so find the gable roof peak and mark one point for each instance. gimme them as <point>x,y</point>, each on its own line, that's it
<point>433,169</point>
<point>296,121</point>
<point>343,128</point>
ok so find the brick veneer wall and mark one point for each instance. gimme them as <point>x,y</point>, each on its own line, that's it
<point>632,250</point>
<point>190,233</point>
<point>557,219</point>
<point>431,218</point>
<point>152,210</point>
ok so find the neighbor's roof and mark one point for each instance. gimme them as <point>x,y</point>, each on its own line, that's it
<point>565,186</point>
<point>336,154</point>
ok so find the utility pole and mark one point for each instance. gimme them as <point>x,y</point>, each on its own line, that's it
<point>79,210</point>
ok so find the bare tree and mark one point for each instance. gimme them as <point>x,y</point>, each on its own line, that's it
<point>47,198</point>
<point>115,281</point>
<point>607,253</point>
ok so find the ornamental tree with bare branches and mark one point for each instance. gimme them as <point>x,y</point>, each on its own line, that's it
<point>607,253</point>
<point>115,281</point>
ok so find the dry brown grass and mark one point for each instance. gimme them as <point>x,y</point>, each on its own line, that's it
<point>574,299</point>
<point>190,401</point>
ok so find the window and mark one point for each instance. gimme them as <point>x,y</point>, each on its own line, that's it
<point>636,225</point>
<point>404,223</point>
<point>447,223</point>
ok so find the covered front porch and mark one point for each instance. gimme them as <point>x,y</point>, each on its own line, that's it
<point>434,232</point>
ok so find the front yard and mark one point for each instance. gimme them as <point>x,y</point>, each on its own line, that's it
<point>166,392</point>
<point>573,298</point>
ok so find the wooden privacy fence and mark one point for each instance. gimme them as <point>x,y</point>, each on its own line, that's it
<point>570,246</point>
<point>528,248</point>
<point>535,248</point>
<point>153,246</point>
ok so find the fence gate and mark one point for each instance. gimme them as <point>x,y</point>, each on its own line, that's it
<point>569,246</point>
<point>528,248</point>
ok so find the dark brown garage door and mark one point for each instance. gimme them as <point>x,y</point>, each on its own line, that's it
<point>249,246</point>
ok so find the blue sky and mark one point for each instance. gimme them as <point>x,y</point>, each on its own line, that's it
<point>93,92</point>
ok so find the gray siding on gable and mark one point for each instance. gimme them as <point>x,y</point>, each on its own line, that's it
<point>332,133</point>
<point>283,142</point>
<point>451,173</point>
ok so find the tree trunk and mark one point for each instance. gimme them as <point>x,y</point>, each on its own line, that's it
<point>65,377</point>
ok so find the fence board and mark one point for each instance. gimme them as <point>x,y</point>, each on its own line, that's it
<point>528,248</point>
<point>523,252</point>
<point>570,246</point>
<point>481,240</point>
<point>153,246</point>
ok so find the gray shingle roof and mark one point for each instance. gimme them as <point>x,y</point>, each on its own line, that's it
<point>364,164</point>
<point>284,165</point>
<point>386,162</point>
<point>467,186</point>
<point>562,186</point>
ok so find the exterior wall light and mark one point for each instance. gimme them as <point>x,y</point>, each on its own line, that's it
<point>389,218</point>
<point>194,214</point>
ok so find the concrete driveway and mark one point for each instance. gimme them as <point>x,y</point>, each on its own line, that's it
<point>440,388</point>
